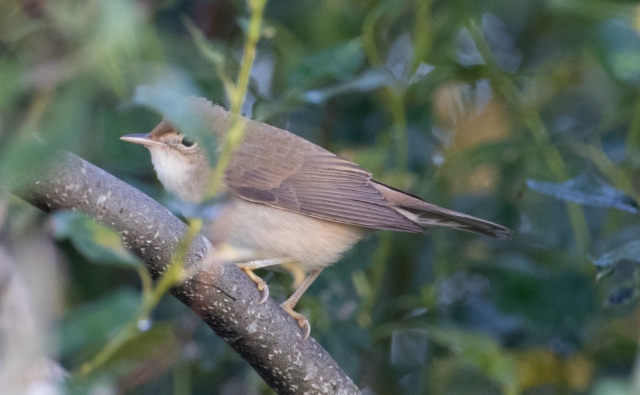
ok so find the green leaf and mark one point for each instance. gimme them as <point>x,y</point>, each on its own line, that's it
<point>480,351</point>
<point>612,386</point>
<point>630,252</point>
<point>9,81</point>
<point>409,347</point>
<point>619,44</point>
<point>607,261</point>
<point>586,189</point>
<point>621,294</point>
<point>91,326</point>
<point>340,62</point>
<point>367,81</point>
<point>148,343</point>
<point>98,243</point>
<point>60,129</point>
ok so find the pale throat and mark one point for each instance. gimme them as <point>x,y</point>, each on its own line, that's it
<point>179,174</point>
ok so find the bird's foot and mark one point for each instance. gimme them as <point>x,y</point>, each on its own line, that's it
<point>302,321</point>
<point>260,283</point>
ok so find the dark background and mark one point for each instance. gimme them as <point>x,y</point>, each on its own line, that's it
<point>525,113</point>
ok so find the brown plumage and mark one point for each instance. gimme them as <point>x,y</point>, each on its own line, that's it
<point>293,200</point>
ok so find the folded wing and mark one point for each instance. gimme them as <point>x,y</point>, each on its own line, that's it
<point>279,169</point>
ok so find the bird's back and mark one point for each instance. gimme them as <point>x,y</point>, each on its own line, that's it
<point>276,168</point>
<point>279,169</point>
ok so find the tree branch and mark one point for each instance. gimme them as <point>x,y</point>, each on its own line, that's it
<point>220,294</point>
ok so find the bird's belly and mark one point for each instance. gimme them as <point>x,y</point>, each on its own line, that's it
<point>274,233</point>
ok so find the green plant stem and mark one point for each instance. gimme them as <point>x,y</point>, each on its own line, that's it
<point>235,134</point>
<point>152,295</point>
<point>505,85</point>
<point>422,33</point>
<point>150,298</point>
<point>38,107</point>
<point>128,332</point>
<point>253,35</point>
<point>394,96</point>
<point>368,35</point>
<point>211,54</point>
<point>617,175</point>
<point>398,131</point>
<point>633,138</point>
<point>635,375</point>
<point>374,280</point>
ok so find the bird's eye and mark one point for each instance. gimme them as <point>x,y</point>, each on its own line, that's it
<point>187,142</point>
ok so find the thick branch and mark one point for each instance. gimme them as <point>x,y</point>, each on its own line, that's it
<point>222,295</point>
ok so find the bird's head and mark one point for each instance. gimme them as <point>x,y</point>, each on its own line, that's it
<point>180,163</point>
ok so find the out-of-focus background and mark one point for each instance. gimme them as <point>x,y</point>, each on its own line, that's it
<point>526,113</point>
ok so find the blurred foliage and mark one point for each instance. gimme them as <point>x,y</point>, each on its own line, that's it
<point>526,113</point>
<point>96,242</point>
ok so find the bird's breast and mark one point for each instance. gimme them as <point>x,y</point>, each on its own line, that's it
<point>273,232</point>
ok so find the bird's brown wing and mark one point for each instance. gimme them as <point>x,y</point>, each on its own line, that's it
<point>282,170</point>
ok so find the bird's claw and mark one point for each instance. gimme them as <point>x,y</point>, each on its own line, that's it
<point>264,288</point>
<point>302,321</point>
<point>260,283</point>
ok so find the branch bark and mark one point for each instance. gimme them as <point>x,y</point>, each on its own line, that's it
<point>220,294</point>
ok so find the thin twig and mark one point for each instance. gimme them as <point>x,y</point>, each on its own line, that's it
<point>234,136</point>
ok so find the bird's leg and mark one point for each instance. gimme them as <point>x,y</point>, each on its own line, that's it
<point>290,303</point>
<point>249,267</point>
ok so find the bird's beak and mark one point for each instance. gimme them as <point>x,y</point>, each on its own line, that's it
<point>143,139</point>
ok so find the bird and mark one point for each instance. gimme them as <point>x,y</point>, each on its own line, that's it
<point>290,200</point>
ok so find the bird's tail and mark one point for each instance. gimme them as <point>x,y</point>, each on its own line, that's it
<point>426,214</point>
